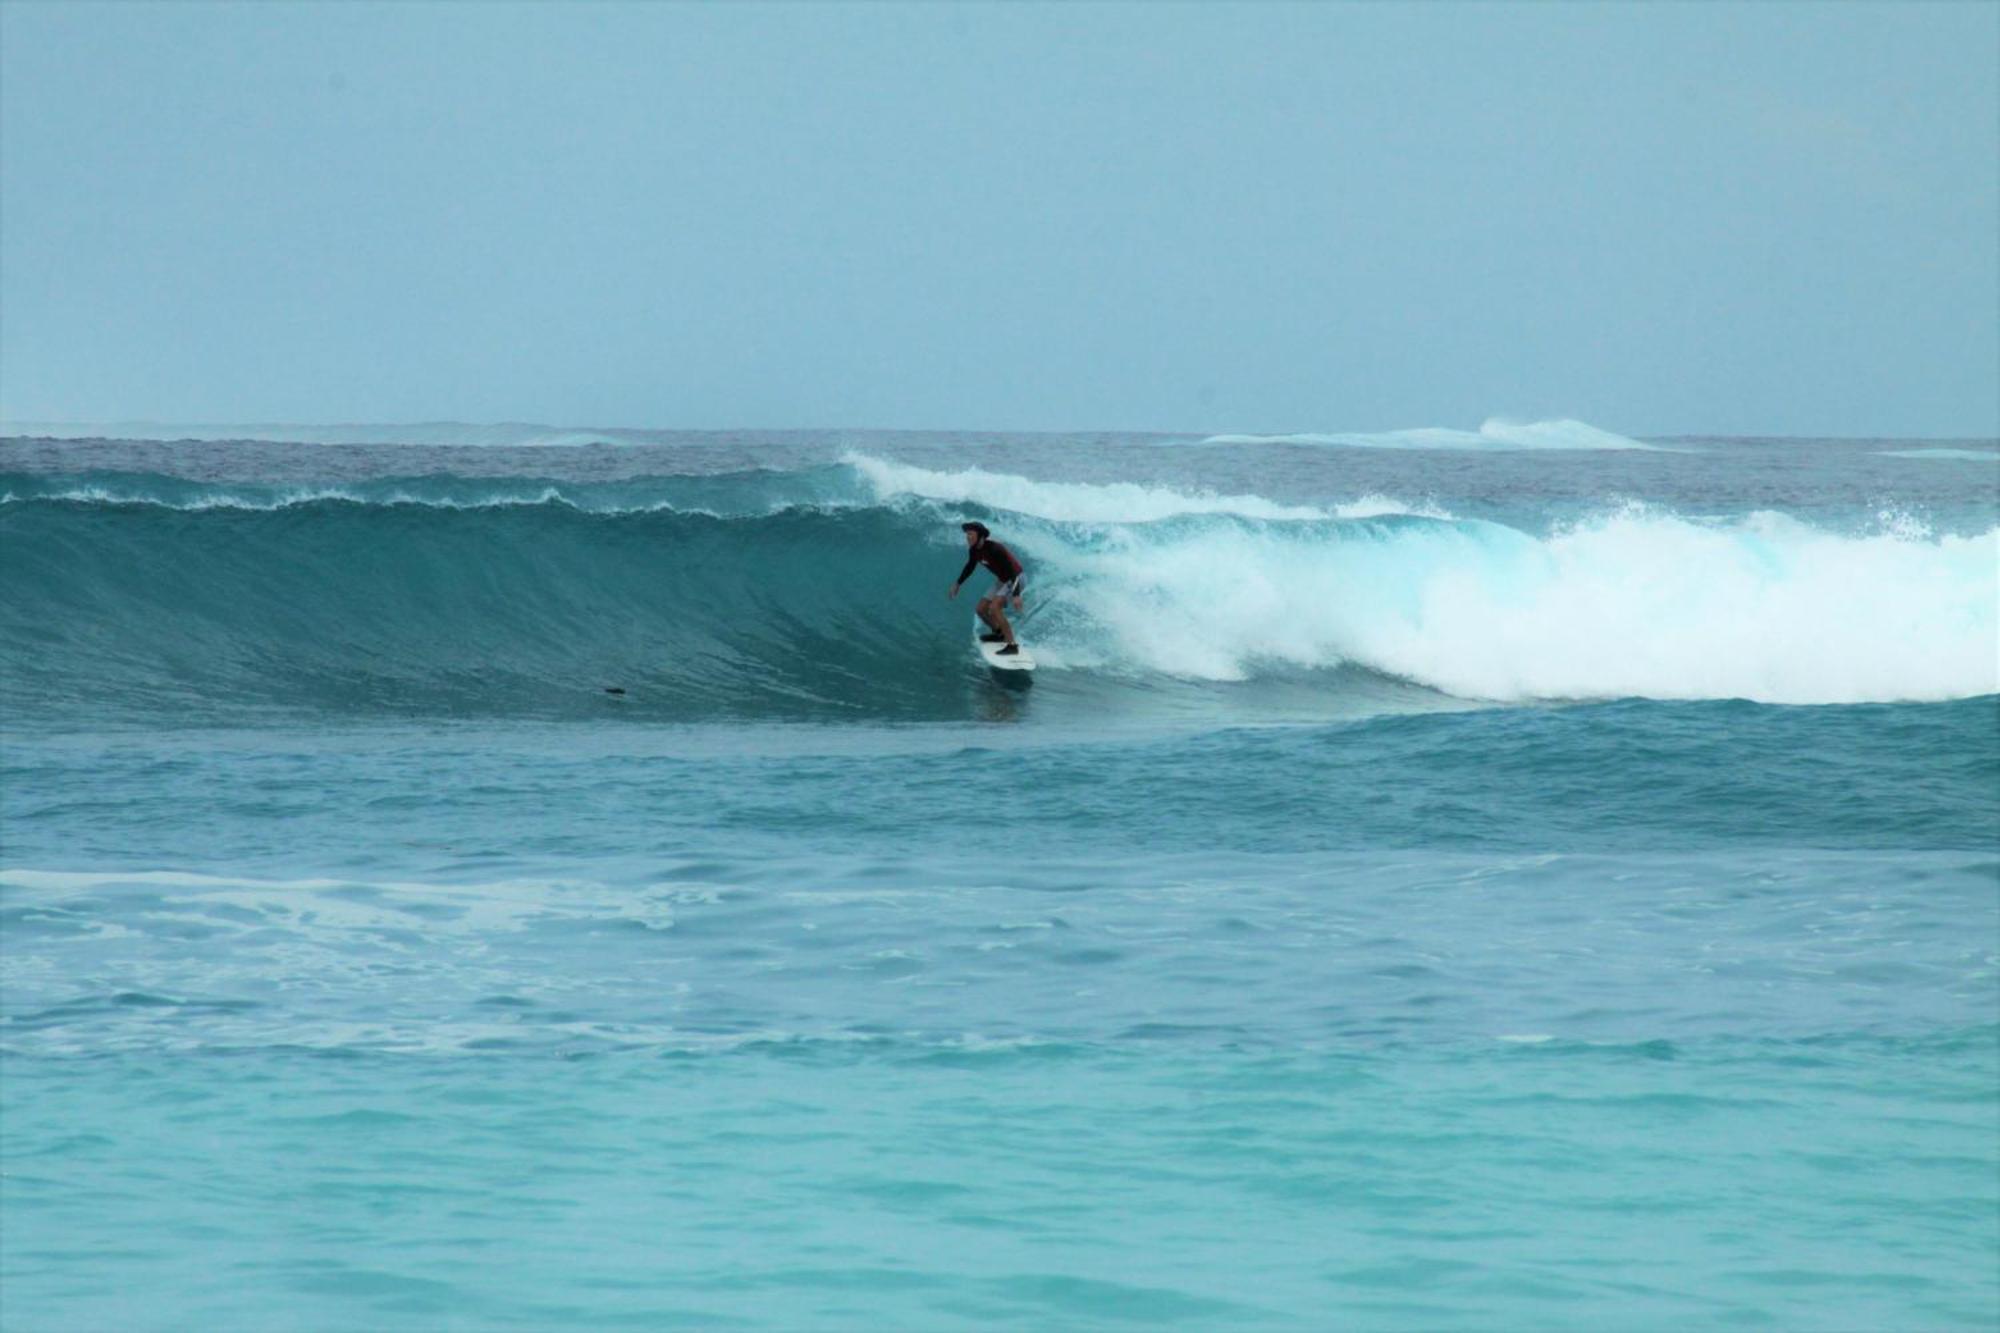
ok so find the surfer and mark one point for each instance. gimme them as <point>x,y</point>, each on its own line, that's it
<point>983,550</point>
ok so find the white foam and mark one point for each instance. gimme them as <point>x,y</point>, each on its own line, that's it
<point>79,881</point>
<point>1494,434</point>
<point>359,904</point>
<point>1082,502</point>
<point>105,495</point>
<point>1633,603</point>
<point>1382,506</point>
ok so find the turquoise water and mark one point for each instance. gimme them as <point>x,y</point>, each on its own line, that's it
<point>1424,887</point>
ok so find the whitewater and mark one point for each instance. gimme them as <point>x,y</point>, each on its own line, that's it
<point>544,876</point>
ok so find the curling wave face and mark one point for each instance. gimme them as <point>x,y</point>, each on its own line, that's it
<point>818,594</point>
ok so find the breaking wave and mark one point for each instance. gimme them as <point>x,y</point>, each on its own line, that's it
<point>1494,434</point>
<point>820,595</point>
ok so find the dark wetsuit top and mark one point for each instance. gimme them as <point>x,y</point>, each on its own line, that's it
<point>996,558</point>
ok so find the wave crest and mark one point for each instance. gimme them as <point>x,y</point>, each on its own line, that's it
<point>1494,434</point>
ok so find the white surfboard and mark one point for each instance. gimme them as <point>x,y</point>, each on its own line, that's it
<point>991,652</point>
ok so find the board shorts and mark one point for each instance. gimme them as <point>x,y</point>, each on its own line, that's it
<point>1013,587</point>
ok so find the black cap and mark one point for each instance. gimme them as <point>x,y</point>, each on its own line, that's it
<point>977,527</point>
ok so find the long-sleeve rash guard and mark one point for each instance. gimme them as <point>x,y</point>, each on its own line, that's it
<point>995,557</point>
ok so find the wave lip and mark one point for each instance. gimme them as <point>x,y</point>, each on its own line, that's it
<point>1061,501</point>
<point>1088,502</point>
<point>1494,434</point>
<point>744,493</point>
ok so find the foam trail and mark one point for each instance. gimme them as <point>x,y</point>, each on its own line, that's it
<point>1494,434</point>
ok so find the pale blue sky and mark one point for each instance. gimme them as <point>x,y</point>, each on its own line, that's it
<point>1762,219</point>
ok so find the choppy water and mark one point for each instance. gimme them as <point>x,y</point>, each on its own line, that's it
<point>1481,880</point>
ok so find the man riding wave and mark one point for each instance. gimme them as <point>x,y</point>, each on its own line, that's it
<point>1007,568</point>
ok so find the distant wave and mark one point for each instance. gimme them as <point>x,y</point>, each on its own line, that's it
<point>462,433</point>
<point>1494,434</point>
<point>820,595</point>
<point>1976,455</point>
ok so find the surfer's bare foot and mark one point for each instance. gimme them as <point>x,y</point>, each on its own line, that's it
<point>990,637</point>
<point>1010,650</point>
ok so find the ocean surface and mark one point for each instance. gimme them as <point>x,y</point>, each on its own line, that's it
<point>1499,879</point>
